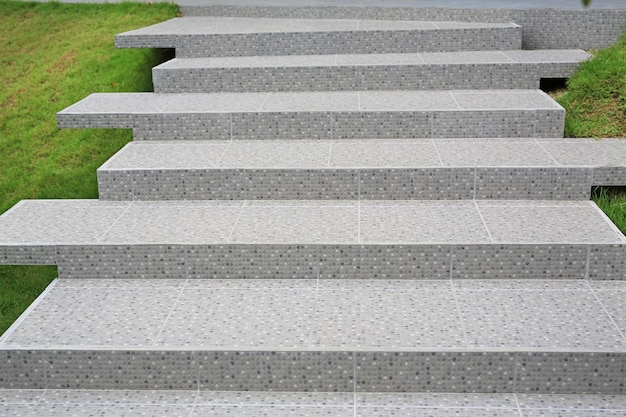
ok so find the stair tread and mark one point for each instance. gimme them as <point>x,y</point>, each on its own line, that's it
<point>369,154</point>
<point>310,222</point>
<point>234,25</point>
<point>174,403</point>
<point>547,56</point>
<point>327,102</point>
<point>327,315</point>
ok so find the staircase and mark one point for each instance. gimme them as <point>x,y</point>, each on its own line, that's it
<point>328,217</point>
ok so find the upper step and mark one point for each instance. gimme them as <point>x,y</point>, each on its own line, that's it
<point>236,36</point>
<point>309,239</point>
<point>329,335</point>
<point>426,169</point>
<point>322,115</point>
<point>416,71</point>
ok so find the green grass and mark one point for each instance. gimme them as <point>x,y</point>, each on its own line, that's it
<point>595,99</point>
<point>54,55</point>
<point>595,105</point>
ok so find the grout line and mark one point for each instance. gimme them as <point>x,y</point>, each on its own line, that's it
<point>437,152</point>
<point>358,100</point>
<point>236,220</point>
<point>219,159</point>
<point>330,151</point>
<point>454,99</point>
<point>317,292</point>
<point>547,153</point>
<point>451,261</point>
<point>483,220</point>
<point>475,183</point>
<point>458,310</point>
<point>114,222</point>
<point>358,222</point>
<point>267,95</point>
<point>606,311</point>
<point>180,293</point>
<point>519,408</point>
<point>587,265</point>
<point>515,360</point>
<point>354,403</point>
<point>45,391</point>
<point>195,403</point>
<point>230,123</point>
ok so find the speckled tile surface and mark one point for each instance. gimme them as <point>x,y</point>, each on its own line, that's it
<point>324,314</point>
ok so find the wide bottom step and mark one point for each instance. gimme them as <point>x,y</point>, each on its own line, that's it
<point>69,403</point>
<point>540,336</point>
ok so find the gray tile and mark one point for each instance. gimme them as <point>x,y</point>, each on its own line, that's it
<point>117,316</point>
<point>536,319</point>
<point>59,221</point>
<point>114,185</point>
<point>545,224</point>
<point>277,371</point>
<point>533,183</point>
<point>119,397</point>
<point>614,301</point>
<point>294,125</point>
<point>121,261</point>
<point>302,184</point>
<point>385,262</point>
<point>252,262</point>
<point>122,103</point>
<point>607,262</point>
<point>485,124</point>
<point>549,55</point>
<point>504,100</point>
<point>435,400</point>
<point>381,125</point>
<point>21,369</point>
<point>384,153</point>
<point>27,255</point>
<point>167,155</point>
<point>81,410</point>
<point>379,59</point>
<point>519,261</point>
<point>272,398</point>
<point>121,370</point>
<point>384,318</point>
<point>188,222</point>
<point>412,222</point>
<point>216,103</point>
<point>276,154</point>
<point>20,396</point>
<point>312,222</point>
<point>271,411</point>
<point>461,57</point>
<point>417,184</point>
<point>573,413</point>
<point>430,412</point>
<point>406,101</point>
<point>434,372</point>
<point>240,318</point>
<point>501,154</point>
<point>311,102</point>
<point>188,184</point>
<point>572,402</point>
<point>571,373</point>
<point>609,152</point>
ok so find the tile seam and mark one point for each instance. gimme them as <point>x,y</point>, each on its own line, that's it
<point>606,311</point>
<point>169,314</point>
<point>115,222</point>
<point>228,238</point>
<point>458,310</point>
<point>484,223</point>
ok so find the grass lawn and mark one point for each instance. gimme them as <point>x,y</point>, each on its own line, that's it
<point>52,56</point>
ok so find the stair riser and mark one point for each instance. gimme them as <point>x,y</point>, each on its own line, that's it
<point>548,123</point>
<point>348,184</point>
<point>354,78</point>
<point>323,43</point>
<point>493,372</point>
<point>256,261</point>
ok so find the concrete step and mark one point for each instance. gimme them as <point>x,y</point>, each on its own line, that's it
<point>195,403</point>
<point>240,36</point>
<point>486,336</point>
<point>315,239</point>
<point>322,115</point>
<point>405,169</point>
<point>416,71</point>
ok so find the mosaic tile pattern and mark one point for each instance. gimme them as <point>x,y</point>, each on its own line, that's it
<point>325,115</point>
<point>586,29</point>
<point>277,371</point>
<point>21,369</point>
<point>210,37</point>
